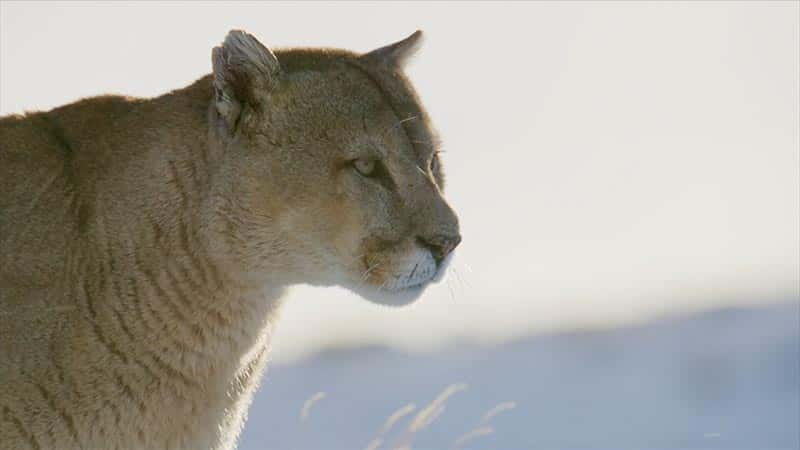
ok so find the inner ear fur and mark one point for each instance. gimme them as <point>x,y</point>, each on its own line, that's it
<point>244,71</point>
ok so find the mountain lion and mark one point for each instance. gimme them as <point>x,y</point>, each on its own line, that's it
<point>145,243</point>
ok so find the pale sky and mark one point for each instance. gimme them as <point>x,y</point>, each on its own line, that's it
<point>609,162</point>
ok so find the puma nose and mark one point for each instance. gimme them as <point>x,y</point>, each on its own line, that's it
<point>441,245</point>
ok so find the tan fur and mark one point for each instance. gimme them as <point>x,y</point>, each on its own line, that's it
<point>145,244</point>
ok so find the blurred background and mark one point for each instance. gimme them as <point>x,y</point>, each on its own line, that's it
<point>627,176</point>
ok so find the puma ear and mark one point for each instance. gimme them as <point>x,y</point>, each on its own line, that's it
<point>244,73</point>
<point>397,54</point>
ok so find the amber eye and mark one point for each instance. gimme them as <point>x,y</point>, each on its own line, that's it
<point>365,167</point>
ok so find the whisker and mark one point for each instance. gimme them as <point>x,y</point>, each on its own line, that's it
<point>399,123</point>
<point>463,281</point>
<point>383,285</point>
<point>450,288</point>
<point>357,257</point>
<point>407,119</point>
<point>369,270</point>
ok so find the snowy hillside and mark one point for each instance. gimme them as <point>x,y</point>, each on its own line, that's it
<point>723,379</point>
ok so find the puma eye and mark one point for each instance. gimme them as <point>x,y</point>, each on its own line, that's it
<point>365,167</point>
<point>435,162</point>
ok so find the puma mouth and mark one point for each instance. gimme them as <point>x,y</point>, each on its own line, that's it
<point>395,293</point>
<point>419,276</point>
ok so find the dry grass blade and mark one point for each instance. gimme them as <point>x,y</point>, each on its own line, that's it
<point>395,416</point>
<point>472,434</point>
<point>306,410</point>
<point>490,414</point>
<point>427,415</point>
<point>388,424</point>
<point>430,412</point>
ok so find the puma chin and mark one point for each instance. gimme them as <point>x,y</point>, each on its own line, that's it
<point>404,281</point>
<point>397,275</point>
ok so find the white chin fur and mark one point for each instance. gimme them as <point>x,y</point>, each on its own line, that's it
<point>419,269</point>
<point>389,298</point>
